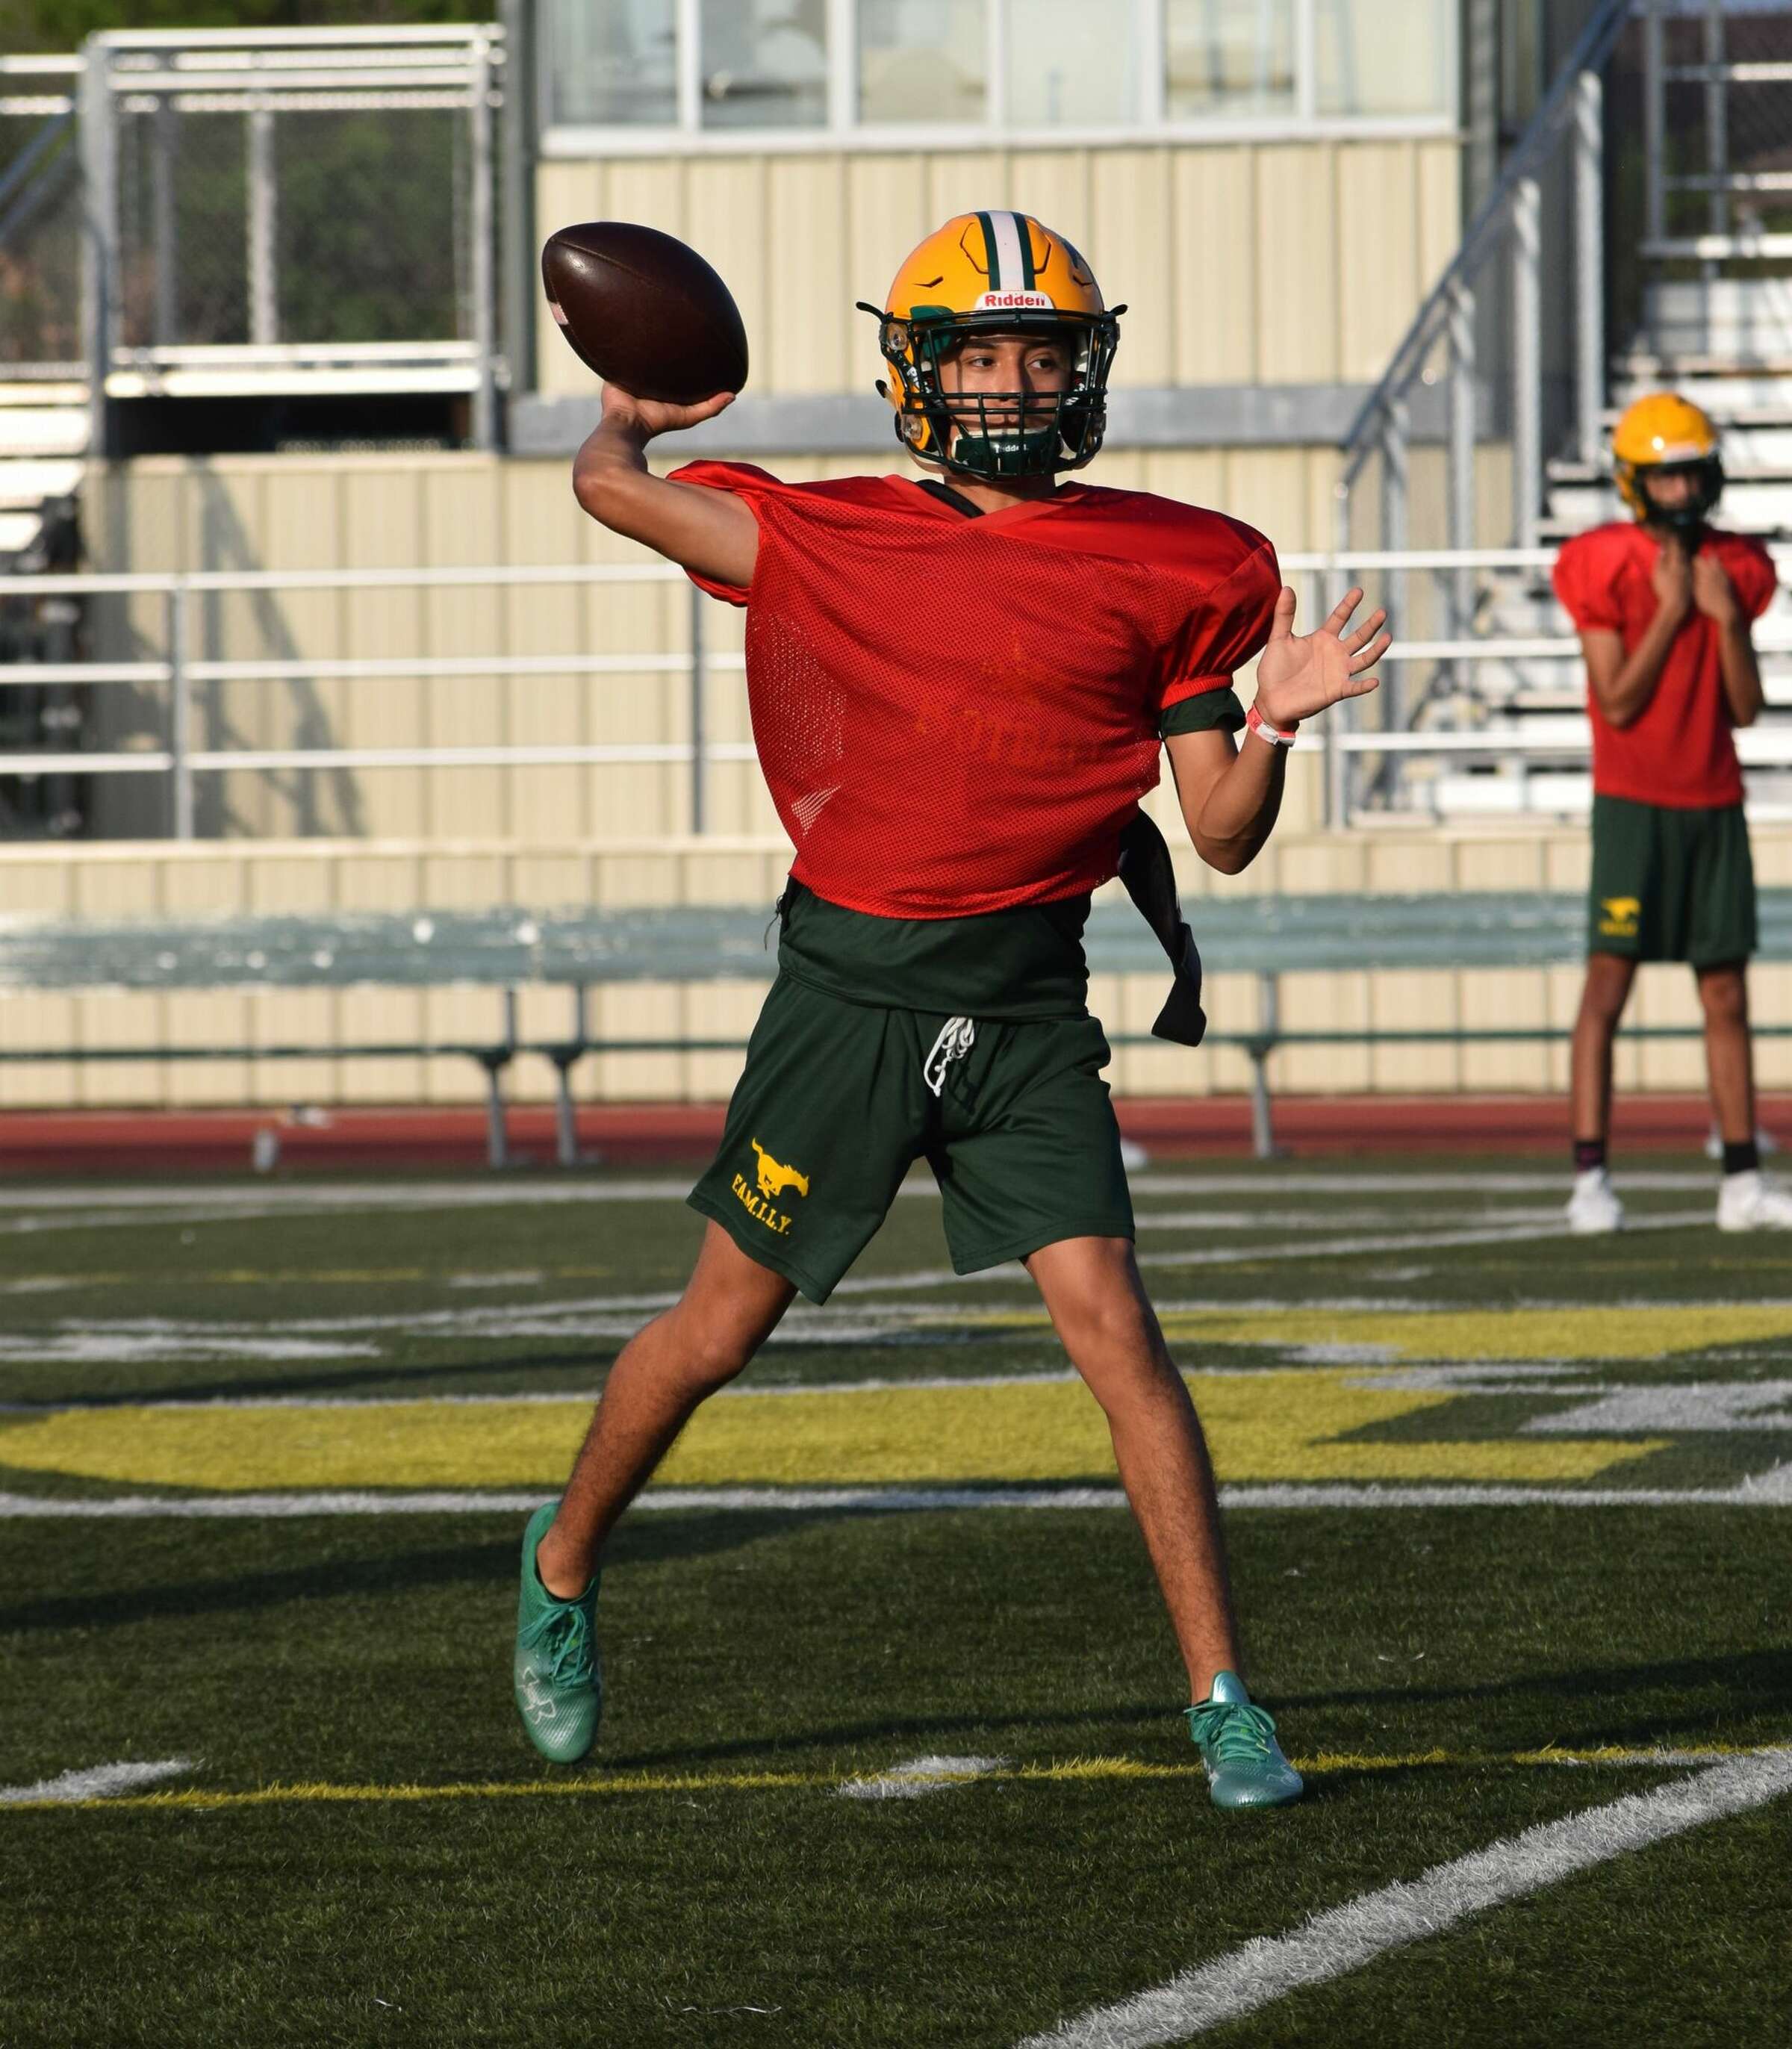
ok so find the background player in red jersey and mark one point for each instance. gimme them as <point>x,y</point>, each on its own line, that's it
<point>1663,604</point>
<point>960,691</point>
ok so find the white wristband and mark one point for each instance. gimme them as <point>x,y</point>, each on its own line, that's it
<point>1256,722</point>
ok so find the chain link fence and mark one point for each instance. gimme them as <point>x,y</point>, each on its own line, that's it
<point>39,222</point>
<point>318,224</point>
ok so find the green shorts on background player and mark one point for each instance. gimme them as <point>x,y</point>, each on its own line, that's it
<point>1663,604</point>
<point>961,687</point>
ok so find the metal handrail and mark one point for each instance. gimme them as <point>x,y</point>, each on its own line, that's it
<point>1561,105</point>
<point>179,671</point>
<point>1510,219</point>
<point>1306,561</point>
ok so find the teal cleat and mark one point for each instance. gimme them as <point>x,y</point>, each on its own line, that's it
<point>559,1672</point>
<point>1245,1768</point>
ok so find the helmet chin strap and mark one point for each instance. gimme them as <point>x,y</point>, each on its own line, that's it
<point>1032,453</point>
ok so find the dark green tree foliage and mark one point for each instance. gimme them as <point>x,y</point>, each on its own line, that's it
<point>369,209</point>
<point>27,25</point>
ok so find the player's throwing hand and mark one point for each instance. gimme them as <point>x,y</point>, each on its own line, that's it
<point>1299,675</point>
<point>653,416</point>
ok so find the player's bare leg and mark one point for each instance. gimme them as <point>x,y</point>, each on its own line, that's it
<point>729,1307</point>
<point>1098,1304</point>
<point>1100,1311</point>
<point>1593,1206</point>
<point>1607,989</point>
<point>1747,1201</point>
<point>1724,995</point>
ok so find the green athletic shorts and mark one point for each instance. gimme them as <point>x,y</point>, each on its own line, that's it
<point>834,1106</point>
<point>1671,885</point>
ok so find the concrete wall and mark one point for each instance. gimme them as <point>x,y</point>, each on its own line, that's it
<point>148,880</point>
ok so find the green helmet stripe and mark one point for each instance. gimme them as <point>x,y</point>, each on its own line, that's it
<point>1028,281</point>
<point>991,261</point>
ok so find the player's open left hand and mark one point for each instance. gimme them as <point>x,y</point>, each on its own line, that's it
<point>648,417</point>
<point>1299,675</point>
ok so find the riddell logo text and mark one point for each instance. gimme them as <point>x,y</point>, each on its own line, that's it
<point>1002,302</point>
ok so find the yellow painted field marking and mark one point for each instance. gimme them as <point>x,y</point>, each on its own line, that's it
<point>1293,1425</point>
<point>1078,1770</point>
<point>1586,1331</point>
<point>1582,1330</point>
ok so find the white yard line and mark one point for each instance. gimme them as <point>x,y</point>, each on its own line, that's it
<point>464,1193</point>
<point>1772,1489</point>
<point>1362,1214</point>
<point>97,1782</point>
<point>1334,1248</point>
<point>84,1207</point>
<point>1345,1938</point>
<point>921,1776</point>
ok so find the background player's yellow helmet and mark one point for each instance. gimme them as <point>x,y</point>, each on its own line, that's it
<point>1665,432</point>
<point>995,272</point>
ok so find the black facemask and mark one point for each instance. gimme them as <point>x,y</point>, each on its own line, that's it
<point>1688,520</point>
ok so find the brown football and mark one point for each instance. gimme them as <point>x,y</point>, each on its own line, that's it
<point>644,311</point>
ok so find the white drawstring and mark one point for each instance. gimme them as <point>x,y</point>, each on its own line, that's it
<point>957,1037</point>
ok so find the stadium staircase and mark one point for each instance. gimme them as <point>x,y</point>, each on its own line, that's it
<point>1725,343</point>
<point>1673,222</point>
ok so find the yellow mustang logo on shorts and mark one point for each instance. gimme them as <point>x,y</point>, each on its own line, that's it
<point>774,1179</point>
<point>1621,915</point>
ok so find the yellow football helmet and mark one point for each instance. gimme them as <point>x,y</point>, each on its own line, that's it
<point>1664,431</point>
<point>995,272</point>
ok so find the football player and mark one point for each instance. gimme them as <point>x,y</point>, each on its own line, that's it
<point>1663,603</point>
<point>960,686</point>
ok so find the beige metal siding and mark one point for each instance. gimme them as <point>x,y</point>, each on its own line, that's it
<point>436,511</point>
<point>1246,263</point>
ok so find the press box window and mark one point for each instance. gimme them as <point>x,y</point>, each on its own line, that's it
<point>611,66</point>
<point>765,64</point>
<point>1397,56</point>
<point>1228,56</point>
<point>1071,65</point>
<point>923,61</point>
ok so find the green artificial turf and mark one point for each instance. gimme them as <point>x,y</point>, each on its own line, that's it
<point>370,1650</point>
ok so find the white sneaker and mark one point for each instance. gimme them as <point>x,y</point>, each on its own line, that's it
<point>1594,1208</point>
<point>1751,1202</point>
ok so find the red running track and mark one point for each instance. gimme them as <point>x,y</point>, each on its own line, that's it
<point>154,1142</point>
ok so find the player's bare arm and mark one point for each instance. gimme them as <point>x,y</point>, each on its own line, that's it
<point>1715,597</point>
<point>711,532</point>
<point>1622,684</point>
<point>1229,796</point>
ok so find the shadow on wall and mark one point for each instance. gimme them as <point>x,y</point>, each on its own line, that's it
<point>291,712</point>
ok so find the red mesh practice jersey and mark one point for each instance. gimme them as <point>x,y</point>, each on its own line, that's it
<point>957,715</point>
<point>1680,752</point>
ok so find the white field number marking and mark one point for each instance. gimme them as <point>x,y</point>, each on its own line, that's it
<point>97,1782</point>
<point>923,1775</point>
<point>1346,1938</point>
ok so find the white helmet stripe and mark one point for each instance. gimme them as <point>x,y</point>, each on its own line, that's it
<point>1009,270</point>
